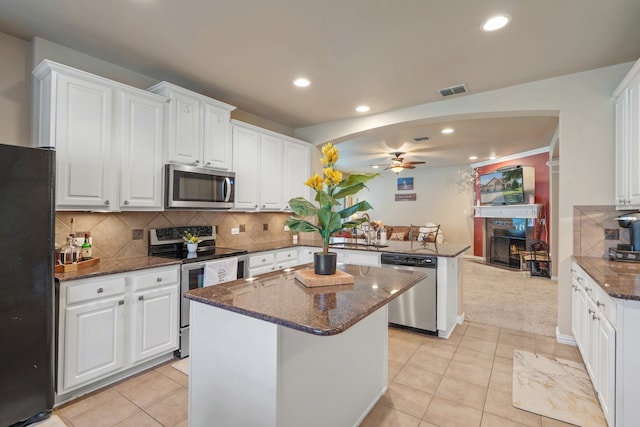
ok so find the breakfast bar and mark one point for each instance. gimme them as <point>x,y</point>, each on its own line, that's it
<point>269,351</point>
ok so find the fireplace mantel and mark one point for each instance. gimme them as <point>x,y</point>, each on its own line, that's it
<point>508,211</point>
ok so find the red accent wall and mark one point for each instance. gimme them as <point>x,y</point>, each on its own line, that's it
<point>539,162</point>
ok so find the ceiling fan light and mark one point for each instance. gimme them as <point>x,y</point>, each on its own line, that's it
<point>397,169</point>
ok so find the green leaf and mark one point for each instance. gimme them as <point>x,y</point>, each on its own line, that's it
<point>298,225</point>
<point>358,207</point>
<point>303,207</point>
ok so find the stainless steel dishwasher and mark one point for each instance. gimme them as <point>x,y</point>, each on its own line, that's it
<point>416,308</point>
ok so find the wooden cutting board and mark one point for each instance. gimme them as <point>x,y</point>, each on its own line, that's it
<point>311,279</point>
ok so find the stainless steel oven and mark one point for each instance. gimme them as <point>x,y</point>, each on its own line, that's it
<point>189,187</point>
<point>168,243</point>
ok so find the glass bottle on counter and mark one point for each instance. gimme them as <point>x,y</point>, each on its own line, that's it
<point>67,253</point>
<point>86,248</point>
<point>76,250</point>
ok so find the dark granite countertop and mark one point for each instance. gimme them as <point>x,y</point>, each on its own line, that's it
<point>114,266</point>
<point>618,279</point>
<point>328,310</point>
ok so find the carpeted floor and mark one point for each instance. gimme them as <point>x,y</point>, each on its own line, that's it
<point>509,299</point>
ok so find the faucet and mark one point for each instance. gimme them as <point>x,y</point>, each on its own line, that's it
<point>368,234</point>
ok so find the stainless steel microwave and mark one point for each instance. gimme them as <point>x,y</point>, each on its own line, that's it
<point>189,187</point>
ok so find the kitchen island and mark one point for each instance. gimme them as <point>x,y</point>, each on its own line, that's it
<point>268,351</point>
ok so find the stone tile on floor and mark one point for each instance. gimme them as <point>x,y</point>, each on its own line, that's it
<point>490,420</point>
<point>386,416</point>
<point>501,381</point>
<point>148,389</point>
<point>438,347</point>
<point>473,357</point>
<point>393,369</point>
<point>139,419</point>
<point>470,373</point>
<point>549,422</point>
<point>516,332</point>
<point>425,359</point>
<point>505,350</point>
<point>522,343</point>
<point>171,410</point>
<point>82,404</point>
<point>501,404</point>
<point>174,374</point>
<point>421,379</point>
<point>406,399</point>
<point>478,344</point>
<point>426,424</point>
<point>503,364</point>
<point>105,415</point>
<point>447,413</point>
<point>484,332</point>
<point>401,350</point>
<point>184,423</point>
<point>463,392</point>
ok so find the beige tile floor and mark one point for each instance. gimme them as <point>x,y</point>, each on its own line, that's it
<point>463,381</point>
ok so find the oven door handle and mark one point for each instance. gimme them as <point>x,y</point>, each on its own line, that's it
<point>227,189</point>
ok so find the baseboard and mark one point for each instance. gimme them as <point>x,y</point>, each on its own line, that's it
<point>565,339</point>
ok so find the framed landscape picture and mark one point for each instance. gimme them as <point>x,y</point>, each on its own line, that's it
<point>405,183</point>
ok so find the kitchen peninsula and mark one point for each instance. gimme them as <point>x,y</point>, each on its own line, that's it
<point>268,351</point>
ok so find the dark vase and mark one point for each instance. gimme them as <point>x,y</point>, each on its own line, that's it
<point>324,264</point>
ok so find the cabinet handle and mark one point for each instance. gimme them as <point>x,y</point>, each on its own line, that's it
<point>100,290</point>
<point>208,164</point>
<point>159,279</point>
<point>106,202</point>
<point>591,312</point>
<point>255,206</point>
<point>187,108</point>
<point>196,163</point>
<point>594,317</point>
<point>141,298</point>
<point>126,202</point>
<point>289,256</point>
<point>599,304</point>
<point>121,302</point>
<point>264,206</point>
<point>263,260</point>
<point>588,289</point>
<point>579,279</point>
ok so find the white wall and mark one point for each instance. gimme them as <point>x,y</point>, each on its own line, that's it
<point>441,197</point>
<point>586,130</point>
<point>14,91</point>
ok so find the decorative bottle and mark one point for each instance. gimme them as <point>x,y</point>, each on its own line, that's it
<point>66,252</point>
<point>86,248</point>
<point>75,250</point>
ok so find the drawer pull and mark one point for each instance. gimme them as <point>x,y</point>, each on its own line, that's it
<point>599,304</point>
<point>159,279</point>
<point>588,289</point>
<point>591,312</point>
<point>121,302</point>
<point>141,298</point>
<point>594,317</point>
<point>100,290</point>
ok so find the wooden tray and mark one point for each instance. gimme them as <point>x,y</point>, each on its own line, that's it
<point>311,279</point>
<point>66,268</point>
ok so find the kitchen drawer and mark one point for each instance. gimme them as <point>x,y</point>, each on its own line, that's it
<point>90,289</point>
<point>260,260</point>
<point>286,256</point>
<point>155,278</point>
<point>606,304</point>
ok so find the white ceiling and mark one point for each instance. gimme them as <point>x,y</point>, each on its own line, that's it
<point>387,54</point>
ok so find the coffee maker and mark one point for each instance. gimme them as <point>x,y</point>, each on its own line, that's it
<point>631,251</point>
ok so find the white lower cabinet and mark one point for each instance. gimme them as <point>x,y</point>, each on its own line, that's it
<point>595,335</point>
<point>111,323</point>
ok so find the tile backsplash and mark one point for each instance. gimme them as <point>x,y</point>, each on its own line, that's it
<point>117,235</point>
<point>594,230</point>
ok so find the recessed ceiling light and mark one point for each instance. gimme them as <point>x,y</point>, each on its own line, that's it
<point>301,82</point>
<point>473,157</point>
<point>447,130</point>
<point>362,108</point>
<point>495,22</point>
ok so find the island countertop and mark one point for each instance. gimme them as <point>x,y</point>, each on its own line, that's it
<point>327,310</point>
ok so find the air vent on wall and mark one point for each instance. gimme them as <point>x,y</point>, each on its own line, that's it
<point>421,138</point>
<point>453,90</point>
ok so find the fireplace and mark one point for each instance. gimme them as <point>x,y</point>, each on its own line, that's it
<point>505,239</point>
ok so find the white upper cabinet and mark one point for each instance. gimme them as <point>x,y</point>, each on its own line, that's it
<point>107,137</point>
<point>297,159</point>
<point>270,168</point>
<point>627,109</point>
<point>141,130</point>
<point>198,128</point>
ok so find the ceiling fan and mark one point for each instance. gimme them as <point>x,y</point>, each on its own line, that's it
<point>398,163</point>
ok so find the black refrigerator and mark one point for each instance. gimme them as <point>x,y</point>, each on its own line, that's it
<point>26,284</point>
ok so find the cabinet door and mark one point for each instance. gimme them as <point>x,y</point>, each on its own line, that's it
<point>634,142</point>
<point>578,315</point>
<point>296,171</point>
<point>154,322</point>
<point>246,165</point>
<point>606,368</point>
<point>83,144</point>
<point>217,138</point>
<point>94,341</point>
<point>623,148</point>
<point>271,173</point>
<point>141,130</point>
<point>185,129</point>
<point>591,335</point>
